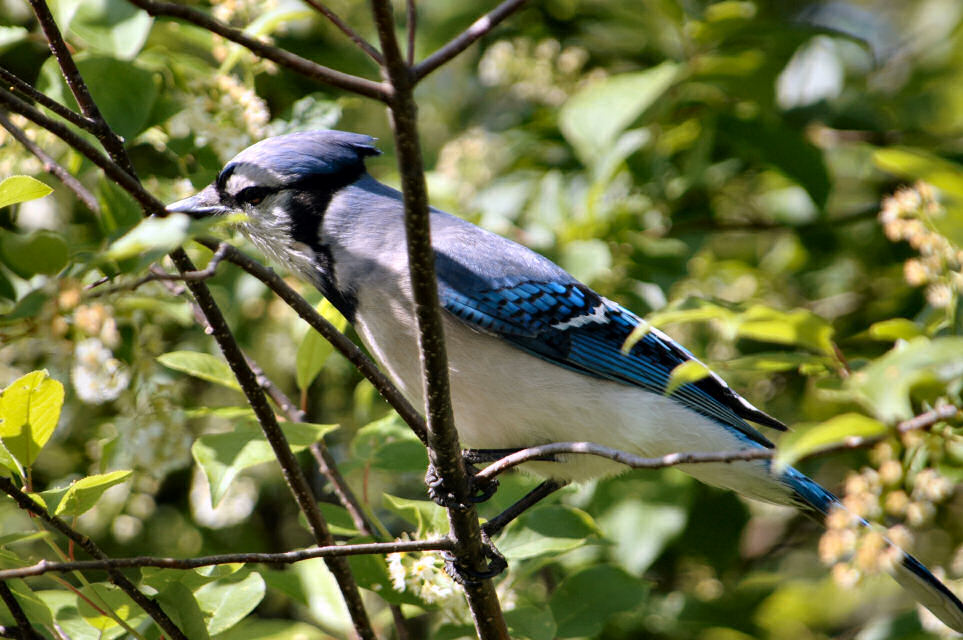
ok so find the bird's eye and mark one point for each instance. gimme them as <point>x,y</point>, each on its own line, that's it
<point>252,195</point>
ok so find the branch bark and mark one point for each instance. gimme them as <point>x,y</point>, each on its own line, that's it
<point>303,66</point>
<point>443,450</point>
<point>287,557</point>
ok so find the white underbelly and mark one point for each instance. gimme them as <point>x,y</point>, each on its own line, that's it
<point>503,397</point>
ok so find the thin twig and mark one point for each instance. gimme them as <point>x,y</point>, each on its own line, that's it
<point>111,169</point>
<point>496,524</point>
<point>346,29</point>
<point>630,460</point>
<point>156,274</point>
<point>111,141</point>
<point>444,449</point>
<point>50,165</point>
<point>338,340</point>
<point>152,609</point>
<point>43,99</point>
<point>305,67</point>
<point>465,39</point>
<point>412,25</point>
<point>286,557</point>
<point>27,632</point>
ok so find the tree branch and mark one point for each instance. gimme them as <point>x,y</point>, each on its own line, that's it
<point>50,165</point>
<point>287,557</point>
<point>43,99</point>
<point>466,38</point>
<point>530,499</point>
<point>285,58</point>
<point>147,604</point>
<point>25,629</point>
<point>443,450</point>
<point>355,37</point>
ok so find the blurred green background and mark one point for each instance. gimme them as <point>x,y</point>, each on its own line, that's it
<point>718,166</point>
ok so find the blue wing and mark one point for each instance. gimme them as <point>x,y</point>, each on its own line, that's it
<point>566,323</point>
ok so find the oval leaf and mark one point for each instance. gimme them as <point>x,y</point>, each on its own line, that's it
<point>38,252</point>
<point>21,189</point>
<point>29,412</point>
<point>83,494</point>
<point>834,431</point>
<point>201,365</point>
<point>227,602</point>
<point>685,373</point>
<point>153,237</point>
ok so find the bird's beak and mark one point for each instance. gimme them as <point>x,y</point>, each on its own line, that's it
<point>202,204</point>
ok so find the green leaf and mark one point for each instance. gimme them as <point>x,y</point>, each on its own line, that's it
<point>178,601</point>
<point>115,601</point>
<point>201,365</point>
<point>530,623</point>
<point>801,328</point>
<point>641,530</point>
<point>686,373</point>
<point>640,331</point>
<point>592,119</point>
<point>920,367</point>
<point>916,164</point>
<point>547,529</point>
<point>224,455</point>
<point>338,519</point>
<point>112,27</point>
<point>10,36</point>
<point>895,329</point>
<point>776,361</point>
<point>29,412</point>
<point>38,252</point>
<point>261,629</point>
<point>390,445</point>
<point>124,92</point>
<point>584,601</point>
<point>17,189</point>
<point>227,602</point>
<point>83,494</point>
<point>151,238</point>
<point>314,350</point>
<point>586,259</point>
<point>425,515</point>
<point>27,307</point>
<point>806,441</point>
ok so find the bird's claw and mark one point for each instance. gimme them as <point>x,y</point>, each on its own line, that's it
<point>469,576</point>
<point>480,489</point>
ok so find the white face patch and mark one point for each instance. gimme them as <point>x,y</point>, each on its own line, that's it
<point>250,175</point>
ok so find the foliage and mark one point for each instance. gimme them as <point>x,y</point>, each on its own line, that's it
<point>717,166</point>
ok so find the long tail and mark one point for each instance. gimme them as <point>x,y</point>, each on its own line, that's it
<point>909,573</point>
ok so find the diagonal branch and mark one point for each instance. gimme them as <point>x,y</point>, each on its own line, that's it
<point>443,450</point>
<point>286,557</point>
<point>346,29</point>
<point>153,609</point>
<point>466,38</point>
<point>305,67</point>
<point>25,629</point>
<point>44,100</point>
<point>50,165</point>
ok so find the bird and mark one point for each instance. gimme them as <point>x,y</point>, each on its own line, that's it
<point>535,356</point>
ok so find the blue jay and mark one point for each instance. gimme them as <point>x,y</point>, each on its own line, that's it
<point>535,355</point>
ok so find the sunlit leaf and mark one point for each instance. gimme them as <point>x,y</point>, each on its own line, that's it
<point>592,119</point>
<point>887,385</point>
<point>916,164</point>
<point>152,238</point>
<point>110,598</point>
<point>424,514</point>
<point>685,373</point>
<point>801,328</point>
<point>223,456</point>
<point>227,602</point>
<point>201,365</point>
<point>21,189</point>
<point>83,494</point>
<point>314,350</point>
<point>895,329</point>
<point>547,529</point>
<point>837,430</point>
<point>179,603</point>
<point>29,412</point>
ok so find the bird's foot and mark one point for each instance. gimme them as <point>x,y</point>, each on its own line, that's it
<point>479,490</point>
<point>466,575</point>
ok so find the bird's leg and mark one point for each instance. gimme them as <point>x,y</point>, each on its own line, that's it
<point>465,575</point>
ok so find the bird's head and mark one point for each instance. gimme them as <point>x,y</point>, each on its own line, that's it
<point>284,185</point>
